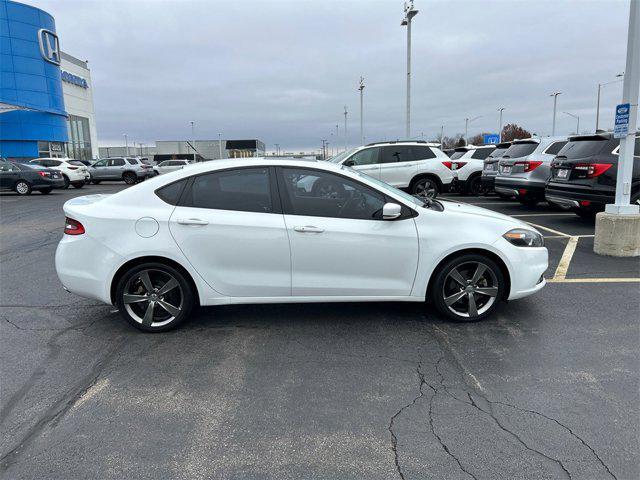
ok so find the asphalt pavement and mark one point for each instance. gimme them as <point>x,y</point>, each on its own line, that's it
<point>546,389</point>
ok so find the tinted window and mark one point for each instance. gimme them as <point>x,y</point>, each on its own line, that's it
<point>116,162</point>
<point>498,152</point>
<point>582,148</point>
<point>323,194</point>
<point>101,163</point>
<point>75,162</point>
<point>422,153</point>
<point>245,189</point>
<point>520,150</point>
<point>171,193</point>
<point>481,153</point>
<point>397,153</point>
<point>131,161</point>
<point>368,156</point>
<point>554,148</point>
<point>457,155</point>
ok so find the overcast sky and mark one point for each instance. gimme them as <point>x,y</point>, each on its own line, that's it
<point>281,71</point>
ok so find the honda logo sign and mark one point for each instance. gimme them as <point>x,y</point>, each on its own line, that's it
<point>49,46</point>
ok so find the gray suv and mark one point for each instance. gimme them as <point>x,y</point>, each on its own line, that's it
<point>525,167</point>
<point>131,170</point>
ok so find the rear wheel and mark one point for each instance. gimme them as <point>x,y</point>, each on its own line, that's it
<point>23,188</point>
<point>154,297</point>
<point>96,182</point>
<point>468,288</point>
<point>474,185</point>
<point>78,184</point>
<point>46,191</point>
<point>425,188</point>
<point>129,178</point>
<point>66,182</point>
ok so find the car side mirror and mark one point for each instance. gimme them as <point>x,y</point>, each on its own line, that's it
<point>349,163</point>
<point>391,211</point>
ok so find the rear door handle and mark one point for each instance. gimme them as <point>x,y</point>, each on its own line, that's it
<point>309,229</point>
<point>192,221</point>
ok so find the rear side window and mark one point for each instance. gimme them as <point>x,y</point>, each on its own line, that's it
<point>245,189</point>
<point>75,162</point>
<point>554,148</point>
<point>521,149</point>
<point>582,148</point>
<point>115,162</point>
<point>396,153</point>
<point>456,155</point>
<point>130,161</point>
<point>481,153</point>
<point>422,153</point>
<point>497,153</point>
<point>171,193</point>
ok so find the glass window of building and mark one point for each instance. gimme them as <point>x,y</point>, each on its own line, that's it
<point>79,145</point>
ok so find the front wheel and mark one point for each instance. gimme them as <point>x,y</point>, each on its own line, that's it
<point>425,188</point>
<point>23,188</point>
<point>154,297</point>
<point>468,288</point>
<point>78,184</point>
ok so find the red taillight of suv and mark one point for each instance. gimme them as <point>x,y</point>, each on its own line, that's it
<point>529,165</point>
<point>454,165</point>
<point>73,168</point>
<point>590,170</point>
<point>43,174</point>
<point>73,227</point>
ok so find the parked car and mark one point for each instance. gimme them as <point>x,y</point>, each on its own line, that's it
<point>467,163</point>
<point>583,174</point>
<point>170,166</point>
<point>23,178</point>
<point>131,170</point>
<point>73,172</point>
<point>525,167</point>
<point>449,151</point>
<point>268,240</point>
<point>490,167</point>
<point>416,166</point>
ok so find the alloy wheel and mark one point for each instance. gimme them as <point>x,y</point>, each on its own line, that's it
<point>426,188</point>
<point>153,297</point>
<point>470,289</point>
<point>22,188</point>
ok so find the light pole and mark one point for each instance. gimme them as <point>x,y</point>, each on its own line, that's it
<point>501,109</point>
<point>361,88</point>
<point>277,145</point>
<point>126,144</point>
<point>467,121</point>
<point>409,13</point>
<point>441,136</point>
<point>193,140</point>
<point>600,85</point>
<point>345,128</point>
<point>220,144</point>
<point>555,104</point>
<point>577,118</point>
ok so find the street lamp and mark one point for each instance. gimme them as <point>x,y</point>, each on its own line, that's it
<point>220,144</point>
<point>193,139</point>
<point>577,118</point>
<point>361,88</point>
<point>126,144</point>
<point>409,13</point>
<point>600,85</point>
<point>555,103</point>
<point>501,109</point>
<point>345,128</point>
<point>467,121</point>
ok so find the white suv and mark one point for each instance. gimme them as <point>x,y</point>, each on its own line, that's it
<point>467,163</point>
<point>416,166</point>
<point>73,171</point>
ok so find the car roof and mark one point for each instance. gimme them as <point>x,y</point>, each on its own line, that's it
<point>404,142</point>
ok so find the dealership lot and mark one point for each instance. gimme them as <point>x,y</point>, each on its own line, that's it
<point>545,389</point>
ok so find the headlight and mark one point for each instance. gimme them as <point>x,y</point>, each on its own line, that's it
<point>522,237</point>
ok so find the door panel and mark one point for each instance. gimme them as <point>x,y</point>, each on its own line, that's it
<point>398,165</point>
<point>366,161</point>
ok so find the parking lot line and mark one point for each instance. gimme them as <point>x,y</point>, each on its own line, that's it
<point>549,229</point>
<point>544,215</point>
<point>565,260</point>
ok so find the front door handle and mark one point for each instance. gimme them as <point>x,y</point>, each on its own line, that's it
<point>309,229</point>
<point>192,221</point>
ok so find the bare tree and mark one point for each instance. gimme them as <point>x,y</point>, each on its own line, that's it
<point>511,131</point>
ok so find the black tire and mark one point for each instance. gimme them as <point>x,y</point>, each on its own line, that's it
<point>96,182</point>
<point>129,178</point>
<point>159,274</point>
<point>529,202</point>
<point>66,182</point>
<point>22,187</point>
<point>473,185</point>
<point>425,187</point>
<point>445,289</point>
<point>585,213</point>
<point>45,191</point>
<point>78,184</point>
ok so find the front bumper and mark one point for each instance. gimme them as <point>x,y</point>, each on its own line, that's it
<point>526,268</point>
<point>521,188</point>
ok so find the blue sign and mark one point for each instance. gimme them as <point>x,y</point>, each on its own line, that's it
<point>491,138</point>
<point>621,127</point>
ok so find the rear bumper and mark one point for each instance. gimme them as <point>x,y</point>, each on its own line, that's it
<point>574,196</point>
<point>519,187</point>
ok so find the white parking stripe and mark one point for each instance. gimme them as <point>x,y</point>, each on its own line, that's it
<point>549,229</point>
<point>563,266</point>
<point>544,215</point>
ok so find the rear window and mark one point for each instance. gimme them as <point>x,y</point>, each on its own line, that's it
<point>520,149</point>
<point>456,155</point>
<point>75,162</point>
<point>498,152</point>
<point>582,148</point>
<point>481,153</point>
<point>554,148</point>
<point>171,193</point>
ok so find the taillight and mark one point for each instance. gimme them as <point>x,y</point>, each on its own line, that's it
<point>447,164</point>
<point>44,174</point>
<point>73,227</point>
<point>529,165</point>
<point>72,168</point>
<point>454,165</point>
<point>590,170</point>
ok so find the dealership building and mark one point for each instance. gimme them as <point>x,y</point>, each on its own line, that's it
<point>46,95</point>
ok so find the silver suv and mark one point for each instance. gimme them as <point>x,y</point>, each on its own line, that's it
<point>131,170</point>
<point>525,168</point>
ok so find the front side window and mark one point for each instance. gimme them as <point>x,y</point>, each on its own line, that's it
<point>368,156</point>
<point>100,163</point>
<point>322,194</point>
<point>245,189</point>
<point>75,162</point>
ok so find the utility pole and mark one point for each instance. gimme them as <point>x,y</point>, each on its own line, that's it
<point>324,149</point>
<point>126,144</point>
<point>441,136</point>
<point>577,118</point>
<point>467,121</point>
<point>600,85</point>
<point>193,141</point>
<point>345,128</point>
<point>220,144</point>
<point>361,88</point>
<point>409,13</point>
<point>555,104</point>
<point>501,109</point>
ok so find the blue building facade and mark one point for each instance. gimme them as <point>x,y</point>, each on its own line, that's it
<point>32,115</point>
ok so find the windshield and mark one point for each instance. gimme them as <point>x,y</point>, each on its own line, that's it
<point>386,186</point>
<point>457,155</point>
<point>521,149</point>
<point>498,152</point>
<point>339,157</point>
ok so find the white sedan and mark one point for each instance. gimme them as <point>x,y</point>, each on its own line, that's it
<point>170,166</point>
<point>273,231</point>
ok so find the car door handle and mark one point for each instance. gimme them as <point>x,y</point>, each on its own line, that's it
<point>309,229</point>
<point>192,221</point>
